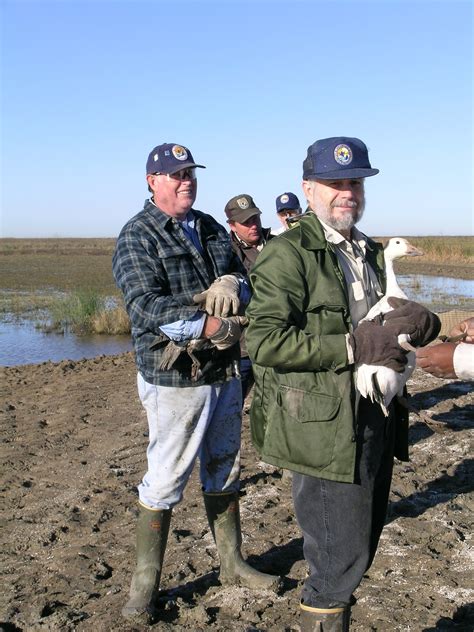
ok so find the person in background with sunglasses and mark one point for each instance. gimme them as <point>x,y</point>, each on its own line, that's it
<point>183,284</point>
<point>287,207</point>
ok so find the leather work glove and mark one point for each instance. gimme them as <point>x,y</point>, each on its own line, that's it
<point>222,296</point>
<point>229,332</point>
<point>376,344</point>
<point>412,318</point>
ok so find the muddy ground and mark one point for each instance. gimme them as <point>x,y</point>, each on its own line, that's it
<point>73,450</point>
<point>453,270</point>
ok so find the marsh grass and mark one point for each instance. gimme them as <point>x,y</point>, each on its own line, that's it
<point>57,265</point>
<point>86,312</point>
<point>113,321</point>
<point>446,249</point>
<point>75,311</point>
<point>438,250</point>
<point>25,303</point>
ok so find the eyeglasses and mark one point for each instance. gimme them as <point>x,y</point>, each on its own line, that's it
<point>288,212</point>
<point>183,174</point>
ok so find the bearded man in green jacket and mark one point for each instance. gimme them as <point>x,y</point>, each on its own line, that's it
<point>304,340</point>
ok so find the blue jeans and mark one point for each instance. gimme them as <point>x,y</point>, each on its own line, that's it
<point>342,522</point>
<point>184,424</point>
<point>246,376</point>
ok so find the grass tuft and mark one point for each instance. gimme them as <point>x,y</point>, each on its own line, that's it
<point>111,321</point>
<point>86,312</point>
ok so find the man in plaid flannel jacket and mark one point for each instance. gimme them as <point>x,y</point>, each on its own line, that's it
<point>183,287</point>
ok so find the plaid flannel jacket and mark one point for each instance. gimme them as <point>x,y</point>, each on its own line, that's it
<point>159,270</point>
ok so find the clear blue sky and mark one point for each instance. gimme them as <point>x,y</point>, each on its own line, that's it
<point>89,87</point>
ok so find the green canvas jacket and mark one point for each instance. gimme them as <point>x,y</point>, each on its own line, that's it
<point>303,410</point>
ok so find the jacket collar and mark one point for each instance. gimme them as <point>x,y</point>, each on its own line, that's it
<point>163,219</point>
<point>311,232</point>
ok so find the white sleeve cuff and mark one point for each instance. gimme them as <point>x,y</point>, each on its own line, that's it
<point>350,350</point>
<point>463,361</point>
<point>185,329</point>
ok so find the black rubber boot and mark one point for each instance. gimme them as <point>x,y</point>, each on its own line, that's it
<point>224,519</point>
<point>152,535</point>
<point>325,619</point>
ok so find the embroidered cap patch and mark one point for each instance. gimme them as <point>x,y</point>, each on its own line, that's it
<point>179,152</point>
<point>343,155</point>
<point>243,203</point>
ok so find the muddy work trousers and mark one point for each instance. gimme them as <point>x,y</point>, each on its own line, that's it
<point>342,522</point>
<point>184,424</point>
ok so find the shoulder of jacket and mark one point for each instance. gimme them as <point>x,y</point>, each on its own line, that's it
<point>210,221</point>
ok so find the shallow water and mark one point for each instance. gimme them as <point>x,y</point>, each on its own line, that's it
<point>22,343</point>
<point>438,293</point>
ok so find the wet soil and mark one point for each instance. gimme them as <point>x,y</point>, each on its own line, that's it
<point>73,450</point>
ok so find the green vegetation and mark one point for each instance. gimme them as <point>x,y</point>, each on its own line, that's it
<point>75,311</point>
<point>86,312</point>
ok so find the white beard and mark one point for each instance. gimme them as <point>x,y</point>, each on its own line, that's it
<point>342,223</point>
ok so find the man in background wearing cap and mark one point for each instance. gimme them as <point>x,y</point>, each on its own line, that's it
<point>248,238</point>
<point>183,286</point>
<point>311,287</point>
<point>287,207</point>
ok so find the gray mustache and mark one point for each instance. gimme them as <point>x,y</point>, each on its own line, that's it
<point>347,204</point>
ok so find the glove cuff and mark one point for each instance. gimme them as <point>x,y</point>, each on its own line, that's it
<point>223,332</point>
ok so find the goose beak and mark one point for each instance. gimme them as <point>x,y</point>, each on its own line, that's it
<point>412,251</point>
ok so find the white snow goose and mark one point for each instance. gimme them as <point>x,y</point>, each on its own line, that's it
<point>379,383</point>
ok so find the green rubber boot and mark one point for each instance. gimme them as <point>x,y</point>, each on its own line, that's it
<point>152,535</point>
<point>325,619</point>
<point>224,519</point>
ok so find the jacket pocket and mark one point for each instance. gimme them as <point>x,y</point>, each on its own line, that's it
<point>307,406</point>
<point>302,427</point>
<point>327,319</point>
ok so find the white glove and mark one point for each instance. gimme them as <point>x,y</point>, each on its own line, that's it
<point>222,296</point>
<point>229,332</point>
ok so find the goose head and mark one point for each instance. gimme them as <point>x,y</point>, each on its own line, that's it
<point>399,247</point>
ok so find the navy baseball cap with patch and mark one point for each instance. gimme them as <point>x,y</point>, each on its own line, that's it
<point>170,158</point>
<point>337,158</point>
<point>240,208</point>
<point>287,201</point>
